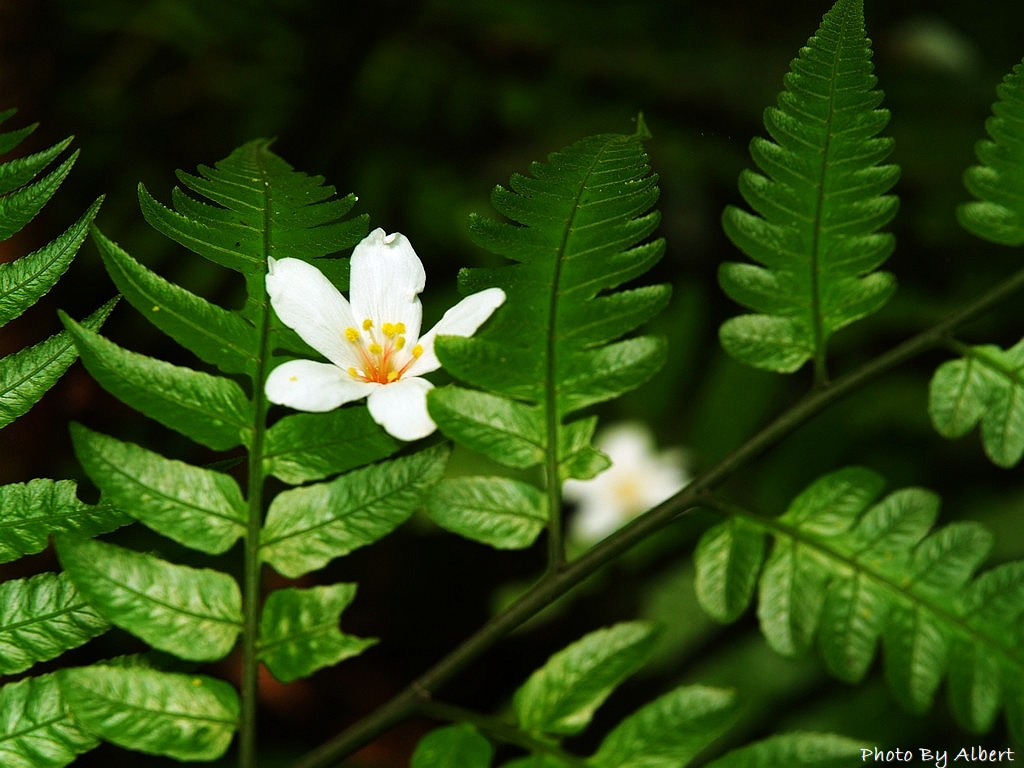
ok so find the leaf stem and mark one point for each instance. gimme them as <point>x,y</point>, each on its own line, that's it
<point>555,584</point>
<point>252,572</point>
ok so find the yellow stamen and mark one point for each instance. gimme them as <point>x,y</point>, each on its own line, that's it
<point>352,334</point>
<point>367,324</point>
<point>400,342</point>
<point>375,349</point>
<point>392,376</point>
<point>389,330</point>
<point>354,373</point>
<point>417,350</point>
<point>399,327</point>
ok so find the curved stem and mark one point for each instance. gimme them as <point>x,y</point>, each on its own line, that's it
<point>555,584</point>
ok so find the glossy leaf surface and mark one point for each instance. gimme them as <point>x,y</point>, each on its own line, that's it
<point>299,631</point>
<point>36,730</point>
<point>193,613</point>
<point>562,696</point>
<point>187,717</point>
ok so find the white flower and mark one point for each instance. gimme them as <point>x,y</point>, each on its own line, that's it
<point>638,479</point>
<point>372,340</point>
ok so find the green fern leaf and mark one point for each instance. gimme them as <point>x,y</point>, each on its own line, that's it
<point>985,385</point>
<point>853,572</point>
<point>194,613</point>
<point>30,512</point>
<point>40,618</point>
<point>28,374</point>
<point>262,208</point>
<point>576,231</point>
<point>299,630</point>
<point>998,213</point>
<point>24,281</point>
<point>18,206</point>
<point>303,447</point>
<point>211,410</point>
<point>307,527</point>
<point>453,746</point>
<point>36,729</point>
<point>215,335</point>
<point>561,697</point>
<point>669,731</point>
<point>199,508</point>
<point>182,716</point>
<point>818,203</point>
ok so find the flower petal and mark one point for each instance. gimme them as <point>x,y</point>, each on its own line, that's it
<point>309,304</point>
<point>307,385</point>
<point>461,320</point>
<point>386,278</point>
<point>401,408</point>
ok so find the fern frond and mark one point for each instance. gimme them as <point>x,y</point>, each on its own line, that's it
<point>256,207</point>
<point>818,203</point>
<point>261,208</point>
<point>998,213</point>
<point>576,229</point>
<point>851,571</point>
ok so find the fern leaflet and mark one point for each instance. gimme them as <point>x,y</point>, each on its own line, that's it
<point>818,203</point>
<point>851,571</point>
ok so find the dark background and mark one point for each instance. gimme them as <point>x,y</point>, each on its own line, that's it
<point>420,108</point>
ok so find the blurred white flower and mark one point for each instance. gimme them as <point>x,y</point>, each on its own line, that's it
<point>639,478</point>
<point>372,340</point>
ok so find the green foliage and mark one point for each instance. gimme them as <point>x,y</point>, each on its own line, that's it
<point>456,746</point>
<point>576,230</point>
<point>305,446</point>
<point>814,750</point>
<point>42,616</point>
<point>818,201</point>
<point>500,511</point>
<point>260,207</point>
<point>200,508</point>
<point>562,696</point>
<point>309,526</point>
<point>196,614</point>
<point>183,716</point>
<point>669,731</point>
<point>852,572</point>
<point>998,213</point>
<point>27,374</point>
<point>36,729</point>
<point>299,631</point>
<point>984,386</point>
<point>32,511</point>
